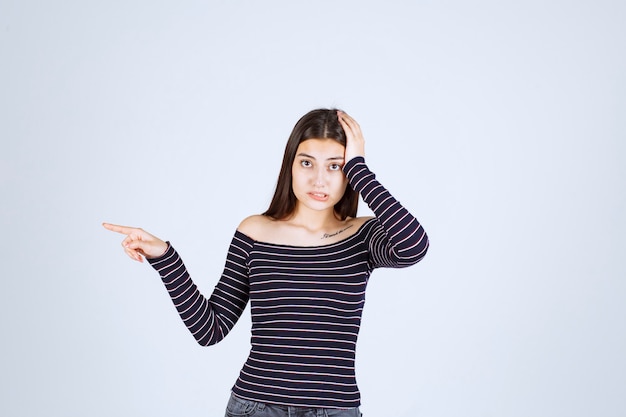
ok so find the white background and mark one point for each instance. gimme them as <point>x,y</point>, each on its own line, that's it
<point>499,124</point>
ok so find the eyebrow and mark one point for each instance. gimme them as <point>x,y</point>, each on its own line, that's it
<point>334,158</point>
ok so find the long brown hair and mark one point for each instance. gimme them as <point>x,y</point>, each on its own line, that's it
<point>316,124</point>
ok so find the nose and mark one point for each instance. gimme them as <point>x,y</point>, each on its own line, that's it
<point>320,177</point>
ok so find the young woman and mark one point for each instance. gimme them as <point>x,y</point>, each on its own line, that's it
<point>304,266</point>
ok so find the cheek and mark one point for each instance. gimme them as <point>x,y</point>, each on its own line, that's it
<point>297,176</point>
<point>342,183</point>
<point>298,181</point>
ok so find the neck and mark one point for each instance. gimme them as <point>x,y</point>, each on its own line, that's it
<point>313,220</point>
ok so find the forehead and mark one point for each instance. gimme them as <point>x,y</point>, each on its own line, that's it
<point>326,148</point>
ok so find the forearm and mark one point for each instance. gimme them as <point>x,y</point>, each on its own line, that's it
<point>197,312</point>
<point>406,238</point>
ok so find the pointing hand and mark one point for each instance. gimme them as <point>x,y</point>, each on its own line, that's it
<point>138,243</point>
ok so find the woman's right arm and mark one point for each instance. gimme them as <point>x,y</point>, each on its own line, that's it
<point>208,319</point>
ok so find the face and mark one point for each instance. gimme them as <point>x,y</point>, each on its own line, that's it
<point>318,179</point>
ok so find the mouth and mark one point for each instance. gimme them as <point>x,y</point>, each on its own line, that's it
<point>318,196</point>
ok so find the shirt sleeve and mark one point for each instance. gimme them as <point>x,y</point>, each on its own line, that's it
<point>398,240</point>
<point>208,319</point>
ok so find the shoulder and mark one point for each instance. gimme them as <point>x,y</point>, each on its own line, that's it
<point>256,226</point>
<point>262,228</point>
<point>359,221</point>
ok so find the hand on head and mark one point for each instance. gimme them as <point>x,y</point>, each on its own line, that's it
<point>138,243</point>
<point>355,143</point>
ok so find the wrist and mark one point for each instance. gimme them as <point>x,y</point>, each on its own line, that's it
<point>159,251</point>
<point>353,161</point>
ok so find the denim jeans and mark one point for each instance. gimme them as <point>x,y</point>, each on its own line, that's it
<point>238,407</point>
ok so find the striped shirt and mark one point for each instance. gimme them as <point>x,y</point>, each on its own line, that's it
<point>306,302</point>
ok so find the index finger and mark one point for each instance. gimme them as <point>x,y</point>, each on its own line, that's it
<point>125,230</point>
<point>346,119</point>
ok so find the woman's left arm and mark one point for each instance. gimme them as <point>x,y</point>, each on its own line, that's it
<point>400,239</point>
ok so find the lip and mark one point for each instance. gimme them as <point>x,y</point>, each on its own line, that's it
<point>318,196</point>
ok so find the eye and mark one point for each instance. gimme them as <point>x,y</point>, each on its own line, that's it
<point>334,167</point>
<point>305,163</point>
